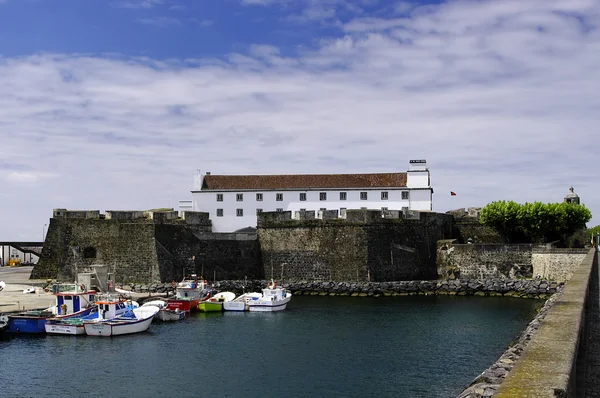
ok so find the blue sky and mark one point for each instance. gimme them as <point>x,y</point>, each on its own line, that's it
<point>114,104</point>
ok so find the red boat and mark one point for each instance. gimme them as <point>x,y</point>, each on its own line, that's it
<point>188,293</point>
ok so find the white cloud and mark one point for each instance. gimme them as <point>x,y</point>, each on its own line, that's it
<point>160,21</point>
<point>500,98</point>
<point>137,3</point>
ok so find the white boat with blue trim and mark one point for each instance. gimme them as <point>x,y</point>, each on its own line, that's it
<point>136,321</point>
<point>274,298</point>
<point>107,306</point>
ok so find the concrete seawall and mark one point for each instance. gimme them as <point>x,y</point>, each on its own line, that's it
<point>547,366</point>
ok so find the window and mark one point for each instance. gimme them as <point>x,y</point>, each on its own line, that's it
<point>363,208</point>
<point>239,212</point>
<point>343,195</point>
<point>302,209</point>
<point>259,197</point>
<point>239,197</point>
<point>258,211</point>
<point>363,196</point>
<point>89,252</point>
<point>219,212</point>
<point>303,197</point>
<point>404,194</point>
<point>342,210</point>
<point>219,197</point>
<point>279,197</point>
<point>279,209</point>
<point>384,209</point>
<point>323,209</point>
<point>384,196</point>
<point>323,196</point>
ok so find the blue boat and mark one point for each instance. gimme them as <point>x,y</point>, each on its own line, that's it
<point>72,301</point>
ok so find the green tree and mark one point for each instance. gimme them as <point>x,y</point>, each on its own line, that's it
<point>503,216</point>
<point>537,222</point>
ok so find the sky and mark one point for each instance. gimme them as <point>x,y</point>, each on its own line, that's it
<point>115,104</point>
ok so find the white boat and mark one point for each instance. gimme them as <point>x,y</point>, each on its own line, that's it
<point>215,303</point>
<point>240,303</point>
<point>108,306</point>
<point>165,314</point>
<point>138,322</point>
<point>274,298</point>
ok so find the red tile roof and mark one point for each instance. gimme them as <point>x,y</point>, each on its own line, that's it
<point>304,181</point>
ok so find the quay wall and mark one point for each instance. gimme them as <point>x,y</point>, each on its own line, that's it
<point>548,356</point>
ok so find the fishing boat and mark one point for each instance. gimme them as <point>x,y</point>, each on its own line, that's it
<point>72,300</point>
<point>107,306</point>
<point>240,303</point>
<point>165,314</point>
<point>136,321</point>
<point>215,303</point>
<point>274,298</point>
<point>188,293</point>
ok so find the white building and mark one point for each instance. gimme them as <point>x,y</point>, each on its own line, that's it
<point>233,201</point>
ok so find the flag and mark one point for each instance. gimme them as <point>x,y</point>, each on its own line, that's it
<point>452,193</point>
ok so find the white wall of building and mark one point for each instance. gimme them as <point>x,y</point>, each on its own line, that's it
<point>206,201</point>
<point>417,195</point>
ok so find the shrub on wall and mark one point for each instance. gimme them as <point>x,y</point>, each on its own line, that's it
<point>535,222</point>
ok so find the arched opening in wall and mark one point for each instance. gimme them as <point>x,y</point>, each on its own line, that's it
<point>89,252</point>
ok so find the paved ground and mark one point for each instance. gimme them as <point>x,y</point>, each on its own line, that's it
<point>592,342</point>
<point>17,279</point>
<point>12,297</point>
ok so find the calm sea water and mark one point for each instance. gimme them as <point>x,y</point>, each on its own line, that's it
<point>418,346</point>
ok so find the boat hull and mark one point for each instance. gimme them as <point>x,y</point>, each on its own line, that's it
<point>36,323</point>
<point>183,305</point>
<point>235,306</point>
<point>26,324</point>
<point>269,306</point>
<point>209,306</point>
<point>117,328</point>
<point>170,315</point>
<point>58,328</point>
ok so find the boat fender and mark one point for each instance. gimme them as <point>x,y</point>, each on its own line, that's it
<point>82,287</point>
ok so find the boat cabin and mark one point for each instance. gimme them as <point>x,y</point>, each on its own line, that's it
<point>274,293</point>
<point>72,298</point>
<point>111,306</point>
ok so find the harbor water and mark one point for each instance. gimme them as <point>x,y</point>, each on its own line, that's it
<point>416,346</point>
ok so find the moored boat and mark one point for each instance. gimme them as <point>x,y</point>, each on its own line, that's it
<point>136,321</point>
<point>188,293</point>
<point>215,303</point>
<point>240,303</point>
<point>274,298</point>
<point>71,301</point>
<point>165,314</point>
<point>109,306</point>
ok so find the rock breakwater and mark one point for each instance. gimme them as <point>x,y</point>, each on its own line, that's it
<point>530,288</point>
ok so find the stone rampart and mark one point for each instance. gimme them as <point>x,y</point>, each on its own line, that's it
<point>364,246</point>
<point>556,264</point>
<point>506,261</point>
<point>138,246</point>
